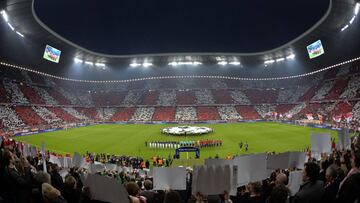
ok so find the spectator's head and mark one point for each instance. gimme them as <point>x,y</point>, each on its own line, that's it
<point>356,159</point>
<point>255,188</point>
<point>148,185</point>
<point>311,172</point>
<point>172,197</point>
<point>331,173</point>
<point>70,182</point>
<point>42,177</point>
<point>8,158</point>
<point>49,193</point>
<point>279,194</point>
<point>281,179</point>
<point>132,188</point>
<point>55,168</point>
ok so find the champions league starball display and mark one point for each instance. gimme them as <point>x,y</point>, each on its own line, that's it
<point>187,130</point>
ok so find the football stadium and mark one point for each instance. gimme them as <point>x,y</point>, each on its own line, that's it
<point>180,102</point>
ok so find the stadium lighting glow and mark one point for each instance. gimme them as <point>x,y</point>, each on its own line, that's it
<point>135,65</point>
<point>11,27</point>
<point>223,63</point>
<point>21,35</point>
<point>357,8</point>
<point>291,56</point>
<point>100,64</point>
<point>344,28</point>
<point>352,19</point>
<point>89,63</point>
<point>77,60</point>
<point>174,63</point>
<point>269,61</point>
<point>147,64</point>
<point>235,63</point>
<point>280,59</point>
<point>181,76</point>
<point>5,16</point>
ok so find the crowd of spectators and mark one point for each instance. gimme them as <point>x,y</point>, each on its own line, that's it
<point>240,97</point>
<point>9,119</point>
<point>132,98</point>
<point>16,95</point>
<point>185,114</point>
<point>228,113</point>
<point>352,89</point>
<point>323,91</point>
<point>334,178</point>
<point>47,115</point>
<point>143,114</point>
<point>204,97</point>
<point>45,95</point>
<point>75,113</point>
<point>167,98</point>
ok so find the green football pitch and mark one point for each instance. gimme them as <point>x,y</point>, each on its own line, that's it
<point>129,139</point>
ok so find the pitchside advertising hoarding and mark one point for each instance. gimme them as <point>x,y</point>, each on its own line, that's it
<point>52,54</point>
<point>315,49</point>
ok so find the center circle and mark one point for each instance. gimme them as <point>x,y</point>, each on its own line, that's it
<point>186,130</point>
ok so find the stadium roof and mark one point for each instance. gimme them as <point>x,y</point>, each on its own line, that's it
<point>28,51</point>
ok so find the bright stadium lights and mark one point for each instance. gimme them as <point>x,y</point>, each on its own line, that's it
<point>21,35</point>
<point>291,56</point>
<point>134,65</point>
<point>280,59</point>
<point>11,27</point>
<point>352,20</point>
<point>357,8</point>
<point>5,16</point>
<point>174,63</point>
<point>100,64</point>
<point>344,28</point>
<point>89,63</point>
<point>235,63</point>
<point>77,60</point>
<point>146,64</point>
<point>269,61</point>
<point>223,63</point>
<point>182,63</point>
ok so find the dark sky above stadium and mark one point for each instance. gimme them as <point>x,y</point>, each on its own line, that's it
<point>168,26</point>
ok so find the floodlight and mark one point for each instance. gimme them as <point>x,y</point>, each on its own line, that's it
<point>5,16</point>
<point>21,35</point>
<point>357,8</point>
<point>11,27</point>
<point>223,63</point>
<point>235,63</point>
<point>196,63</point>
<point>291,56</point>
<point>147,64</point>
<point>344,28</point>
<point>280,59</point>
<point>100,64</point>
<point>77,60</point>
<point>269,61</point>
<point>89,63</point>
<point>135,65</point>
<point>352,19</point>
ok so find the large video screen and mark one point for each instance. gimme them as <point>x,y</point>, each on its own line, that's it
<point>52,54</point>
<point>315,49</point>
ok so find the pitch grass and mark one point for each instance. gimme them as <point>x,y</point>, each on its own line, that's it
<point>128,139</point>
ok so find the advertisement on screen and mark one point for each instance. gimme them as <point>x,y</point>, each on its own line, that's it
<point>52,54</point>
<point>315,49</point>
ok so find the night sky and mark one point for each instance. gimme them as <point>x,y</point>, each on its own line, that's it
<point>163,26</point>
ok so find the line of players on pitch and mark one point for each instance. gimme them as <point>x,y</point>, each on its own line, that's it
<point>175,144</point>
